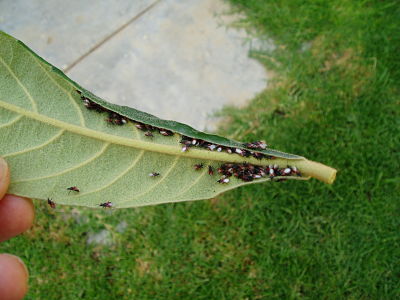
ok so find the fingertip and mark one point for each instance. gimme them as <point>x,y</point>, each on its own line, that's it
<point>16,216</point>
<point>13,277</point>
<point>4,177</point>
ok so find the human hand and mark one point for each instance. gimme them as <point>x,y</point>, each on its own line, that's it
<point>16,216</point>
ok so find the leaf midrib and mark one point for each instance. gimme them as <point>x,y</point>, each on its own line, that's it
<point>138,144</point>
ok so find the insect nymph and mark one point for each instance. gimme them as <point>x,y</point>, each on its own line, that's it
<point>73,188</point>
<point>51,203</point>
<point>107,204</point>
<point>198,167</point>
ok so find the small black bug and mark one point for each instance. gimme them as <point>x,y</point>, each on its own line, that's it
<point>51,203</point>
<point>165,132</point>
<point>154,174</point>
<point>107,204</point>
<point>198,167</point>
<point>141,126</point>
<point>73,188</point>
<point>223,180</point>
<point>239,151</point>
<point>256,145</point>
<point>271,173</point>
<point>258,155</point>
<point>247,178</point>
<point>210,170</point>
<point>92,105</point>
<point>287,171</point>
<point>116,119</point>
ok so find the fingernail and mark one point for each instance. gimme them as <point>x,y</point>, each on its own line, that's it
<point>20,262</point>
<point>3,169</point>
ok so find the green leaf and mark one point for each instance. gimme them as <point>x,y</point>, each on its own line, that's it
<point>52,141</point>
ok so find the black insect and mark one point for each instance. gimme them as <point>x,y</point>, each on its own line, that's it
<point>116,119</point>
<point>271,173</point>
<point>73,188</point>
<point>151,128</point>
<point>287,171</point>
<point>198,166</point>
<point>239,151</point>
<point>107,204</point>
<point>249,172</point>
<point>210,170</point>
<point>246,153</point>
<point>258,155</point>
<point>258,145</point>
<point>51,203</point>
<point>247,178</point>
<point>223,180</point>
<point>154,174</point>
<point>295,171</point>
<point>165,132</point>
<point>92,105</point>
<point>186,141</point>
<point>141,126</point>
<point>149,134</point>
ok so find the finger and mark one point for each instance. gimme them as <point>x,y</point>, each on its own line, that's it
<point>16,216</point>
<point>4,177</point>
<point>13,277</point>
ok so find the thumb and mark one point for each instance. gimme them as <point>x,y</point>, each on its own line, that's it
<point>4,177</point>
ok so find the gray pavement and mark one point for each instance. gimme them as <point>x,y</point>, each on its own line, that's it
<point>175,59</point>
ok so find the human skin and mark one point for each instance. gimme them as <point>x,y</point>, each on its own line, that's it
<point>16,216</point>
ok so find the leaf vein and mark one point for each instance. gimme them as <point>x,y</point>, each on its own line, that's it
<point>11,122</point>
<point>81,118</point>
<point>56,136</point>
<point>34,106</point>
<point>98,154</point>
<point>138,143</point>
<point>134,162</point>
<point>192,184</point>
<point>164,176</point>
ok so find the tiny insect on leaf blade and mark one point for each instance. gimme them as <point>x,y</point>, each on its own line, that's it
<point>51,203</point>
<point>74,188</point>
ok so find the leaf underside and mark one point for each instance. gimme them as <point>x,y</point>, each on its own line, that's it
<point>52,142</point>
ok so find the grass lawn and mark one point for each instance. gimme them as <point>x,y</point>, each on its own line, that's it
<point>334,99</point>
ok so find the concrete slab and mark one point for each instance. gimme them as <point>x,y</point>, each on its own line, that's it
<point>177,62</point>
<point>61,31</point>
